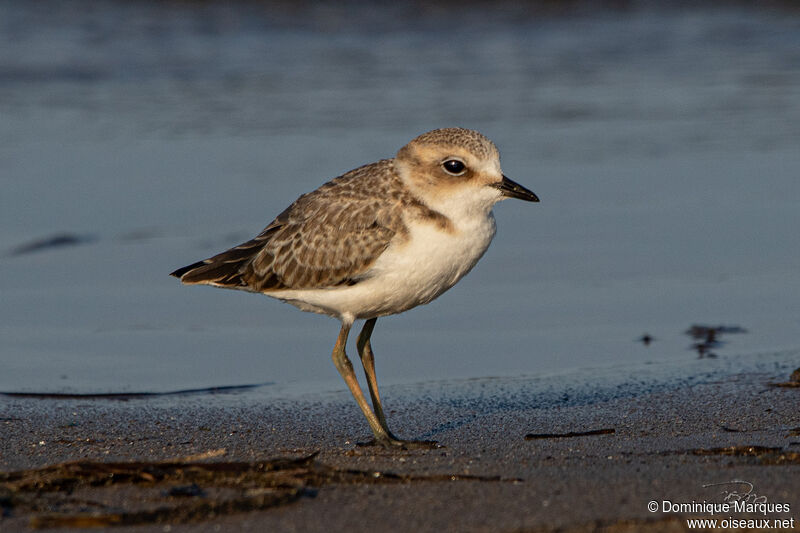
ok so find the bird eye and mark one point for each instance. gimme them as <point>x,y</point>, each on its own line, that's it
<point>454,167</point>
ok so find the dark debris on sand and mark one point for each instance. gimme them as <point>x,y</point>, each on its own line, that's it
<point>86,493</point>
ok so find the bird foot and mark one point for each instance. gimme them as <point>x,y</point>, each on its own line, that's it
<point>400,444</point>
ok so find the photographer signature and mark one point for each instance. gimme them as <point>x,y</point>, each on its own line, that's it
<point>734,495</point>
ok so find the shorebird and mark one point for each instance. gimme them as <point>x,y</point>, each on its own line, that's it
<point>375,241</point>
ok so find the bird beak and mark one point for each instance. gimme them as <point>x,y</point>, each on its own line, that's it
<point>515,190</point>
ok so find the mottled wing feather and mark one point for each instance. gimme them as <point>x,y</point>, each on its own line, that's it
<point>316,253</point>
<point>327,238</point>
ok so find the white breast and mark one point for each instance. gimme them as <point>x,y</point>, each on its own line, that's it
<point>430,262</point>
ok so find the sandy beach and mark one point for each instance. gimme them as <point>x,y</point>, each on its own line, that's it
<point>579,462</point>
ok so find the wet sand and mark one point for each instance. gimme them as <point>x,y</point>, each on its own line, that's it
<point>210,462</point>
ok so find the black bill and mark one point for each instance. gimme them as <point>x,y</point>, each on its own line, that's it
<point>515,190</point>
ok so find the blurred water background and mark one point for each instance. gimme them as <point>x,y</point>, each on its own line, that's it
<point>137,137</point>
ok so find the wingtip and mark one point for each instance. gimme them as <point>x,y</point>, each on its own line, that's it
<point>183,270</point>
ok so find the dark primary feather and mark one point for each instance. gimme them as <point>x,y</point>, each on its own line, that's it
<point>223,269</point>
<point>183,270</point>
<point>327,238</point>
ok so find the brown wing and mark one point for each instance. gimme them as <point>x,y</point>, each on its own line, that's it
<point>326,238</point>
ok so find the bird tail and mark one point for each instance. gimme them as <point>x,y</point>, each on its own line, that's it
<point>223,270</point>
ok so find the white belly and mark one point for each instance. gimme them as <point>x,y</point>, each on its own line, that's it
<point>407,274</point>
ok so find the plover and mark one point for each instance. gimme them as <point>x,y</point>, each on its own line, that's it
<point>375,241</point>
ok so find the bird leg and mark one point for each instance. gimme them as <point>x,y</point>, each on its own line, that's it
<point>345,368</point>
<point>368,362</point>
